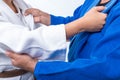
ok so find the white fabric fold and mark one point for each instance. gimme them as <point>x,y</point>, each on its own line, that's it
<point>19,34</point>
<point>35,43</point>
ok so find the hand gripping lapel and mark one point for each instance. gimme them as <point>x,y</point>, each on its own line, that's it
<point>80,39</point>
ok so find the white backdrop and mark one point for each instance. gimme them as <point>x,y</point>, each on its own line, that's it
<point>56,7</point>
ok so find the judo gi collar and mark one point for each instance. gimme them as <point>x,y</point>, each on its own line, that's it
<point>79,40</point>
<point>95,2</point>
<point>108,5</point>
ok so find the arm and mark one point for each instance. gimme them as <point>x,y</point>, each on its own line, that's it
<point>64,20</point>
<point>102,65</point>
<point>19,39</point>
<point>48,19</point>
<point>47,38</point>
<point>86,22</point>
<point>27,41</point>
<point>49,35</point>
<point>93,68</point>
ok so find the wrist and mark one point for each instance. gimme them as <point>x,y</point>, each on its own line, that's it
<point>46,19</point>
<point>49,20</point>
<point>84,24</point>
<point>31,65</point>
<point>74,27</point>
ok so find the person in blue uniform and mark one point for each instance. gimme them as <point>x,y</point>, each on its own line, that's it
<point>92,56</point>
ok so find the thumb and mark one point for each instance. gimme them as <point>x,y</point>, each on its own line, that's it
<point>99,8</point>
<point>28,11</point>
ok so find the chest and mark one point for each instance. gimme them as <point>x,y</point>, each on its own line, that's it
<point>9,14</point>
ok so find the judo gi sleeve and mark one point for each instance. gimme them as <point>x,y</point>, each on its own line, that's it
<point>43,39</point>
<point>103,63</point>
<point>63,20</point>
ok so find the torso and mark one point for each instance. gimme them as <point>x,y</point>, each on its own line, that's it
<point>14,17</point>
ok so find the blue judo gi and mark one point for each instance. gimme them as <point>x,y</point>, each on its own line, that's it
<point>92,56</point>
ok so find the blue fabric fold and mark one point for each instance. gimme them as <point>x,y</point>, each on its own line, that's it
<point>81,38</point>
<point>92,57</point>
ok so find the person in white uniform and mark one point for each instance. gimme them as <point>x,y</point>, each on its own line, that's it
<point>20,34</point>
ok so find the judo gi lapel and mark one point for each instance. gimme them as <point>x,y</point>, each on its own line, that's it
<point>5,10</point>
<point>88,4</point>
<point>79,41</point>
<point>28,19</point>
<point>8,13</point>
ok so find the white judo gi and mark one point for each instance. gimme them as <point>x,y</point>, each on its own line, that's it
<point>19,34</point>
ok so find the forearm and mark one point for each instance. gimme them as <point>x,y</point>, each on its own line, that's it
<point>87,23</point>
<point>64,20</point>
<point>49,70</point>
<point>74,28</point>
<point>30,66</point>
<point>55,20</point>
<point>40,40</point>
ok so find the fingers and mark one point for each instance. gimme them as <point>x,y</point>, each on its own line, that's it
<point>11,54</point>
<point>32,11</point>
<point>105,15</point>
<point>13,61</point>
<point>28,11</point>
<point>99,8</point>
<point>37,19</point>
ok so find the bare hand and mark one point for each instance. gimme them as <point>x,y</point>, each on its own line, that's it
<point>23,61</point>
<point>94,19</point>
<point>39,16</point>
